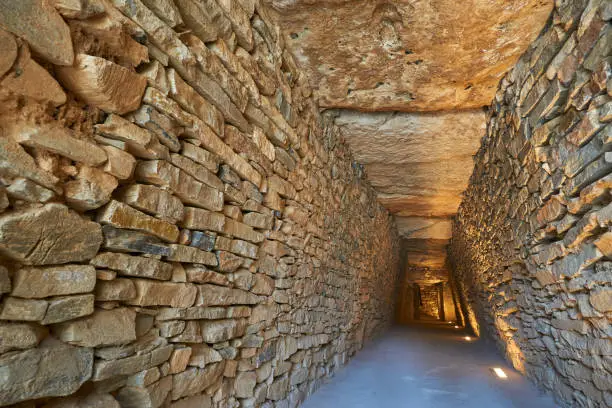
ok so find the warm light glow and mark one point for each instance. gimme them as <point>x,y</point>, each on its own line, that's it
<point>457,327</point>
<point>467,338</point>
<point>499,372</point>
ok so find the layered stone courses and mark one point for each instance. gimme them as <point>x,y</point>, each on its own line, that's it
<point>531,242</point>
<point>179,226</point>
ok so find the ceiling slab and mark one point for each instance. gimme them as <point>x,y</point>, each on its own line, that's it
<point>408,55</point>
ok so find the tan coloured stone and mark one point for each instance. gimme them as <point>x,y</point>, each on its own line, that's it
<point>179,359</point>
<point>53,281</point>
<point>81,9</point>
<point>237,229</point>
<point>203,355</point>
<point>121,129</point>
<point>102,83</point>
<point>129,265</point>
<point>103,328</point>
<point>200,173</point>
<point>29,310</point>
<point>52,234</point>
<point>193,380</point>
<point>121,215</point>
<point>115,290</point>
<point>199,274</point>
<point>166,10</point>
<point>91,189</point>
<point>119,163</point>
<point>153,200</point>
<point>35,373</point>
<point>189,254</point>
<point>30,80</point>
<point>94,400</point>
<point>199,219</point>
<point>15,162</point>
<point>65,308</point>
<point>212,295</point>
<point>49,37</point>
<point>26,190</point>
<point>201,156</point>
<point>601,299</point>
<point>215,331</point>
<point>57,139</point>
<point>398,56</point>
<point>152,293</point>
<point>161,35</point>
<point>191,191</point>
<point>8,50</point>
<point>16,336</point>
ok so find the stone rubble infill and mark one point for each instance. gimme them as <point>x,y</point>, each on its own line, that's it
<point>531,245</point>
<point>179,226</point>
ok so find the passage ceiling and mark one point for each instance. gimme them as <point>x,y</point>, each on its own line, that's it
<point>409,79</point>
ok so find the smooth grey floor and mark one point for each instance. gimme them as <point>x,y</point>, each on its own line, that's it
<point>424,366</point>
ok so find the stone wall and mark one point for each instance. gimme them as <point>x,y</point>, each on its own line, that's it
<point>531,244</point>
<point>179,227</point>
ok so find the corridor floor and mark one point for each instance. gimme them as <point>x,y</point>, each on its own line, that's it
<point>424,366</point>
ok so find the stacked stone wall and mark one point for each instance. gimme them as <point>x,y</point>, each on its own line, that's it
<point>179,226</point>
<point>532,242</point>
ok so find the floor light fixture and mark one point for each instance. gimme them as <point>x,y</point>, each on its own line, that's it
<point>500,373</point>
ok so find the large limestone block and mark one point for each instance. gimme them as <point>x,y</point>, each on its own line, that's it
<point>53,281</point>
<point>41,26</point>
<point>53,369</point>
<point>65,308</point>
<point>428,55</point>
<point>103,328</point>
<point>52,234</point>
<point>104,84</point>
<point>153,200</point>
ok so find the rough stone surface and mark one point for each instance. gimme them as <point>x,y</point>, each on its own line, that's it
<point>531,247</point>
<point>180,226</point>
<point>428,55</point>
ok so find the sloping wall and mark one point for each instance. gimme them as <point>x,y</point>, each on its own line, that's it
<point>178,224</point>
<point>531,243</point>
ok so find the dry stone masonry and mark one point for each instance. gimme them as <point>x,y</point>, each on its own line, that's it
<point>531,246</point>
<point>179,226</point>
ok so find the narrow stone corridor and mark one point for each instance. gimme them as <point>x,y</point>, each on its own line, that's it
<point>318,203</point>
<point>427,366</point>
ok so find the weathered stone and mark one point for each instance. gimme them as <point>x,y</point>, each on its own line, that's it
<point>212,295</point>
<point>183,253</point>
<point>65,308</point>
<point>121,129</point>
<point>129,265</point>
<point>152,293</point>
<point>121,215</point>
<point>102,83</point>
<point>15,162</point>
<point>36,373</point>
<point>30,80</point>
<point>119,163</point>
<point>115,290</point>
<point>194,380</point>
<point>166,10</point>
<point>204,157</point>
<point>153,200</point>
<point>203,355</point>
<point>49,235</point>
<point>103,328</point>
<point>49,38</point>
<point>94,400</point>
<point>23,309</point>
<point>187,188</point>
<point>57,139</point>
<point>8,50</point>
<point>245,384</point>
<point>92,189</point>
<point>26,190</point>
<point>15,336</point>
<point>164,127</point>
<point>53,281</point>
<point>243,231</point>
<point>200,219</point>
<point>602,300</point>
<point>215,331</point>
<point>122,240</point>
